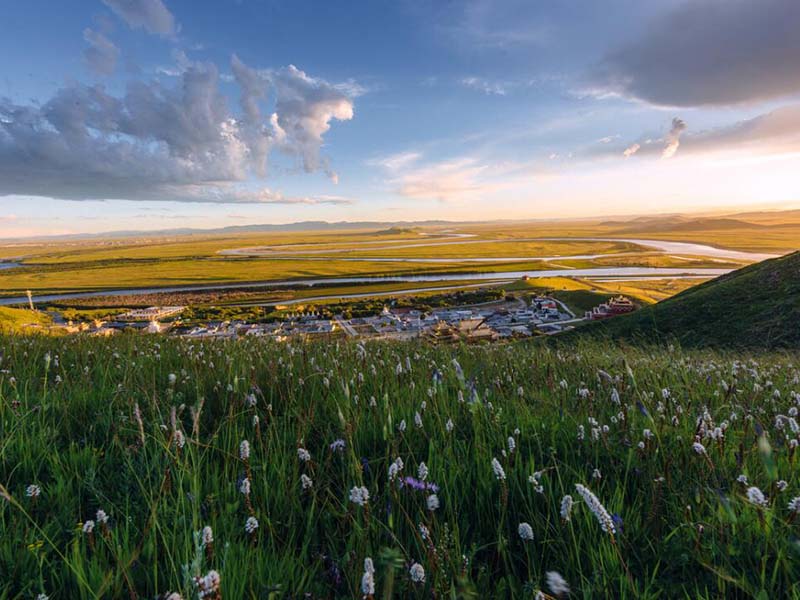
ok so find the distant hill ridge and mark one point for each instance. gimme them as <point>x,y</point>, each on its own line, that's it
<point>757,306</point>
<point>678,224</point>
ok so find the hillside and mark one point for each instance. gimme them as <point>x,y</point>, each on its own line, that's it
<point>691,225</point>
<point>754,307</point>
<point>16,319</point>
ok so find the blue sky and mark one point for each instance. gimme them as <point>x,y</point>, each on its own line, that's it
<point>146,114</point>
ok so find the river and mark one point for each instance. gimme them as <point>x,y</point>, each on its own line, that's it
<point>618,273</point>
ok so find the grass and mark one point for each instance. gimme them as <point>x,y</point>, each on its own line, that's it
<point>757,306</point>
<point>17,319</point>
<point>148,429</point>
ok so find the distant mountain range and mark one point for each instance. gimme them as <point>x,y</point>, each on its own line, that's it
<point>258,228</point>
<point>757,306</point>
<point>620,225</point>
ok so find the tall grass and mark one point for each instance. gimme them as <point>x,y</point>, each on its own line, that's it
<point>149,429</point>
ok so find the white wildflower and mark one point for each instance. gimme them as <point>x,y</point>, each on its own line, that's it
<point>600,512</point>
<point>556,583</point>
<point>359,495</point>
<point>525,532</point>
<point>499,473</point>
<point>417,573</point>
<point>368,578</point>
<point>251,525</point>
<point>756,496</point>
<point>566,507</point>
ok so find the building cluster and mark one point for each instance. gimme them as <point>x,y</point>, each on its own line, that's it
<point>616,306</point>
<point>148,315</point>
<point>517,319</point>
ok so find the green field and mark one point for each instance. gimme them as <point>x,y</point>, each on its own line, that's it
<point>205,259</point>
<point>149,430</point>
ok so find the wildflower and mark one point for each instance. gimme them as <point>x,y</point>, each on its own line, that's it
<point>424,532</point>
<point>101,516</point>
<point>525,532</point>
<point>208,585</point>
<point>699,448</point>
<point>207,536</point>
<point>418,420</point>
<point>794,504</point>
<point>421,486</point>
<point>499,473</point>
<point>174,596</point>
<point>600,512</point>
<point>368,578</point>
<point>417,573</point>
<point>782,485</point>
<point>422,471</point>
<point>449,426</point>
<point>556,583</point>
<point>432,502</point>
<point>180,439</point>
<point>566,507</point>
<point>33,491</point>
<point>337,445</point>
<point>742,479</point>
<point>306,482</point>
<point>395,468</point>
<point>402,426</point>
<point>756,496</point>
<point>596,474</point>
<point>512,444</point>
<point>244,450</point>
<point>88,526</point>
<point>171,378</point>
<point>359,495</point>
<point>303,454</point>
<point>251,525</point>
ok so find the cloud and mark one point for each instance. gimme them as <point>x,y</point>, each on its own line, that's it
<point>673,138</point>
<point>161,142</point>
<point>305,107</point>
<point>772,133</point>
<point>461,178</point>
<point>714,52</point>
<point>395,162</point>
<point>631,150</point>
<point>492,88</point>
<point>452,180</point>
<point>775,132</point>
<point>233,194</point>
<point>151,15</point>
<point>102,54</point>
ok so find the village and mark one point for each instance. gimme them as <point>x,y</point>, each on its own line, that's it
<point>512,317</point>
<point>470,323</point>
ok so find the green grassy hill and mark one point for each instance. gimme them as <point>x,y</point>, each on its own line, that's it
<point>754,307</point>
<point>16,319</point>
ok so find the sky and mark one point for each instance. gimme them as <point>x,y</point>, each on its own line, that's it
<point>156,114</point>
